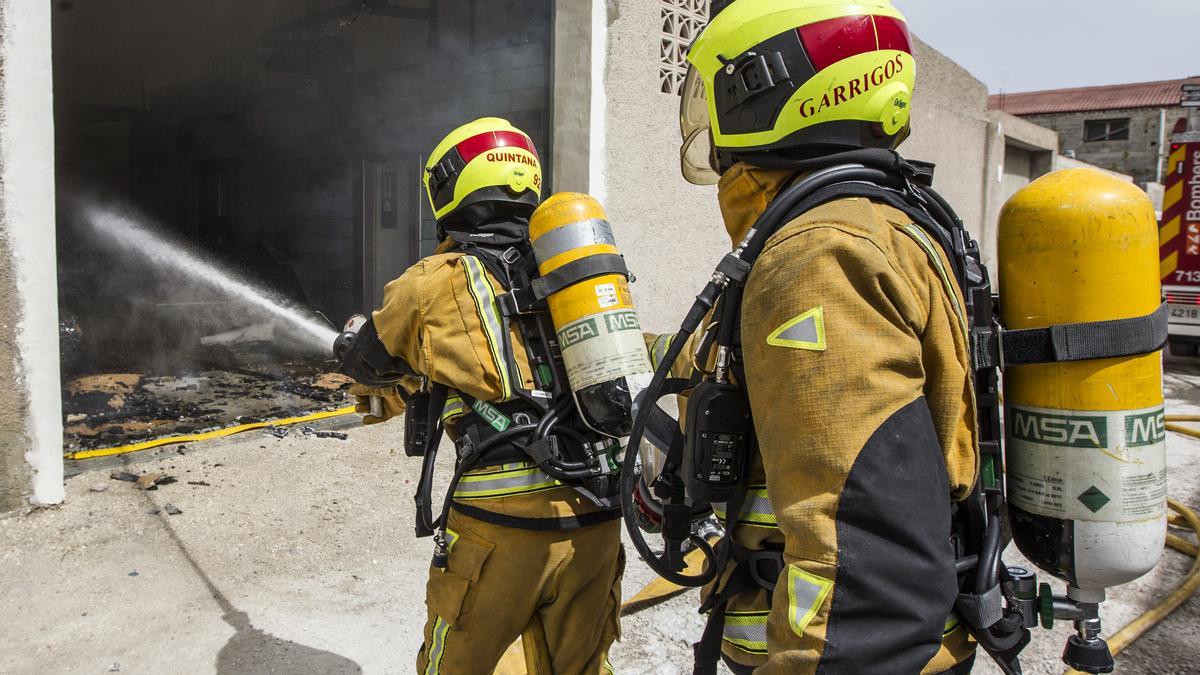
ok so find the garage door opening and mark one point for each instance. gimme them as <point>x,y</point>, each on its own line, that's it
<point>280,142</point>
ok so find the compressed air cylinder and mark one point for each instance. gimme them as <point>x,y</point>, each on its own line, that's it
<point>1086,441</point>
<point>597,325</point>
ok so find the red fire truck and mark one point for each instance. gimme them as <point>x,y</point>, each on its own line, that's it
<point>1179,237</point>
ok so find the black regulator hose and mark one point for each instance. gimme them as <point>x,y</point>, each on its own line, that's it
<point>424,496</point>
<point>470,462</point>
<point>987,572</point>
<point>629,477</point>
<point>557,468</point>
<point>567,471</point>
<point>546,425</point>
<point>441,548</point>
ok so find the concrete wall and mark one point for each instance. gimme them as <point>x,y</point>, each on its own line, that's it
<point>1063,162</point>
<point>1017,152</point>
<point>670,231</point>
<point>950,128</point>
<point>571,112</point>
<point>1139,156</point>
<point>31,465</point>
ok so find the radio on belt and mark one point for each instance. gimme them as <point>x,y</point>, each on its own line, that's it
<point>718,417</point>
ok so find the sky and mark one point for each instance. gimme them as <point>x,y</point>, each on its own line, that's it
<point>1027,45</point>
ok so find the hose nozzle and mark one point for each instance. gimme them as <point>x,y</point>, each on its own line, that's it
<point>341,345</point>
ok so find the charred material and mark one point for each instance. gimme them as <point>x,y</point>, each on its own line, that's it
<point>117,409</point>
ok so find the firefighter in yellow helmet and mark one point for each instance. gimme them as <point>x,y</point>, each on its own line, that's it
<point>853,354</point>
<point>517,552</point>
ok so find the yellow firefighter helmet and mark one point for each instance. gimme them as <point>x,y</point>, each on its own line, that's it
<point>773,81</point>
<point>483,169</point>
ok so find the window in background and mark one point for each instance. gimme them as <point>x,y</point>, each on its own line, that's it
<point>1106,130</point>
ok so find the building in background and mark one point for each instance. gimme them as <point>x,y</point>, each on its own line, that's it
<point>1124,128</point>
<point>284,138</point>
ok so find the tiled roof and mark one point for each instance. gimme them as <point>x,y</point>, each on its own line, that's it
<point>1162,94</point>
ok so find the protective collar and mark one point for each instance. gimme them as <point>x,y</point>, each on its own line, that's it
<point>504,231</point>
<point>745,192</point>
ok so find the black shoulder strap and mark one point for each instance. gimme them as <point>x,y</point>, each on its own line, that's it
<point>503,264</point>
<point>497,261</point>
<point>899,201</point>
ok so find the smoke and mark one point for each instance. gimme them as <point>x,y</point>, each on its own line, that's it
<point>270,153</point>
<point>168,293</point>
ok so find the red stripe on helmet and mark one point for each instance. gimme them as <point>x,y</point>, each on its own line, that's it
<point>893,34</point>
<point>833,40</point>
<point>476,145</point>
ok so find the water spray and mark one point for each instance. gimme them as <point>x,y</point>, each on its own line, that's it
<point>134,236</point>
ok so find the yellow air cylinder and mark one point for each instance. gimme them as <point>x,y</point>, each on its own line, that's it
<point>595,320</point>
<point>1086,441</point>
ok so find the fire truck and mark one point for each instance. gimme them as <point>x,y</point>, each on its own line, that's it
<point>1179,237</point>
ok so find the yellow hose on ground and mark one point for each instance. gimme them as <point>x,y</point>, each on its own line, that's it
<point>1184,517</point>
<point>1132,631</point>
<point>219,433</point>
<point>660,589</point>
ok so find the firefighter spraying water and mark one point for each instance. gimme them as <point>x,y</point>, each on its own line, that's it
<point>518,338</point>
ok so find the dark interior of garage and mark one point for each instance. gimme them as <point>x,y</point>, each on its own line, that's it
<point>280,142</point>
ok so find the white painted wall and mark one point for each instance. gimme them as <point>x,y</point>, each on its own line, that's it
<point>597,168</point>
<point>27,182</point>
<point>670,232</point>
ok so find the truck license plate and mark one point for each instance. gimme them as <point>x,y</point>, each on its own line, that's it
<point>1185,313</point>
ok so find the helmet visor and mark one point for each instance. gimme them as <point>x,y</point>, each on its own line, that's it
<point>696,154</point>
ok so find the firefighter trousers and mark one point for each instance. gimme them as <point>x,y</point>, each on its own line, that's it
<point>559,591</point>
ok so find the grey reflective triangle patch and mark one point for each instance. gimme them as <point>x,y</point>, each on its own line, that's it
<point>806,331</point>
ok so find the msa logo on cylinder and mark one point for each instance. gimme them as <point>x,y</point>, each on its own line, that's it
<point>578,332</point>
<point>1072,431</point>
<point>619,321</point>
<point>1146,428</point>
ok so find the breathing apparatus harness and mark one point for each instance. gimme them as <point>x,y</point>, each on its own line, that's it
<point>709,462</point>
<point>541,425</point>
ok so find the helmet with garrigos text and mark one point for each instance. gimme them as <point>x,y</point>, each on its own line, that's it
<point>776,81</point>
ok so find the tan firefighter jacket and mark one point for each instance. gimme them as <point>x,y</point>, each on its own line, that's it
<point>441,318</point>
<point>855,353</point>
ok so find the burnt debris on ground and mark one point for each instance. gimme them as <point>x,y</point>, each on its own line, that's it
<point>112,409</point>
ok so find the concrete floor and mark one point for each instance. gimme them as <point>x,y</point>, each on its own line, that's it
<point>298,557</point>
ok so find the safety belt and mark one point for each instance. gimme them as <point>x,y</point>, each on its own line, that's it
<point>559,524</point>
